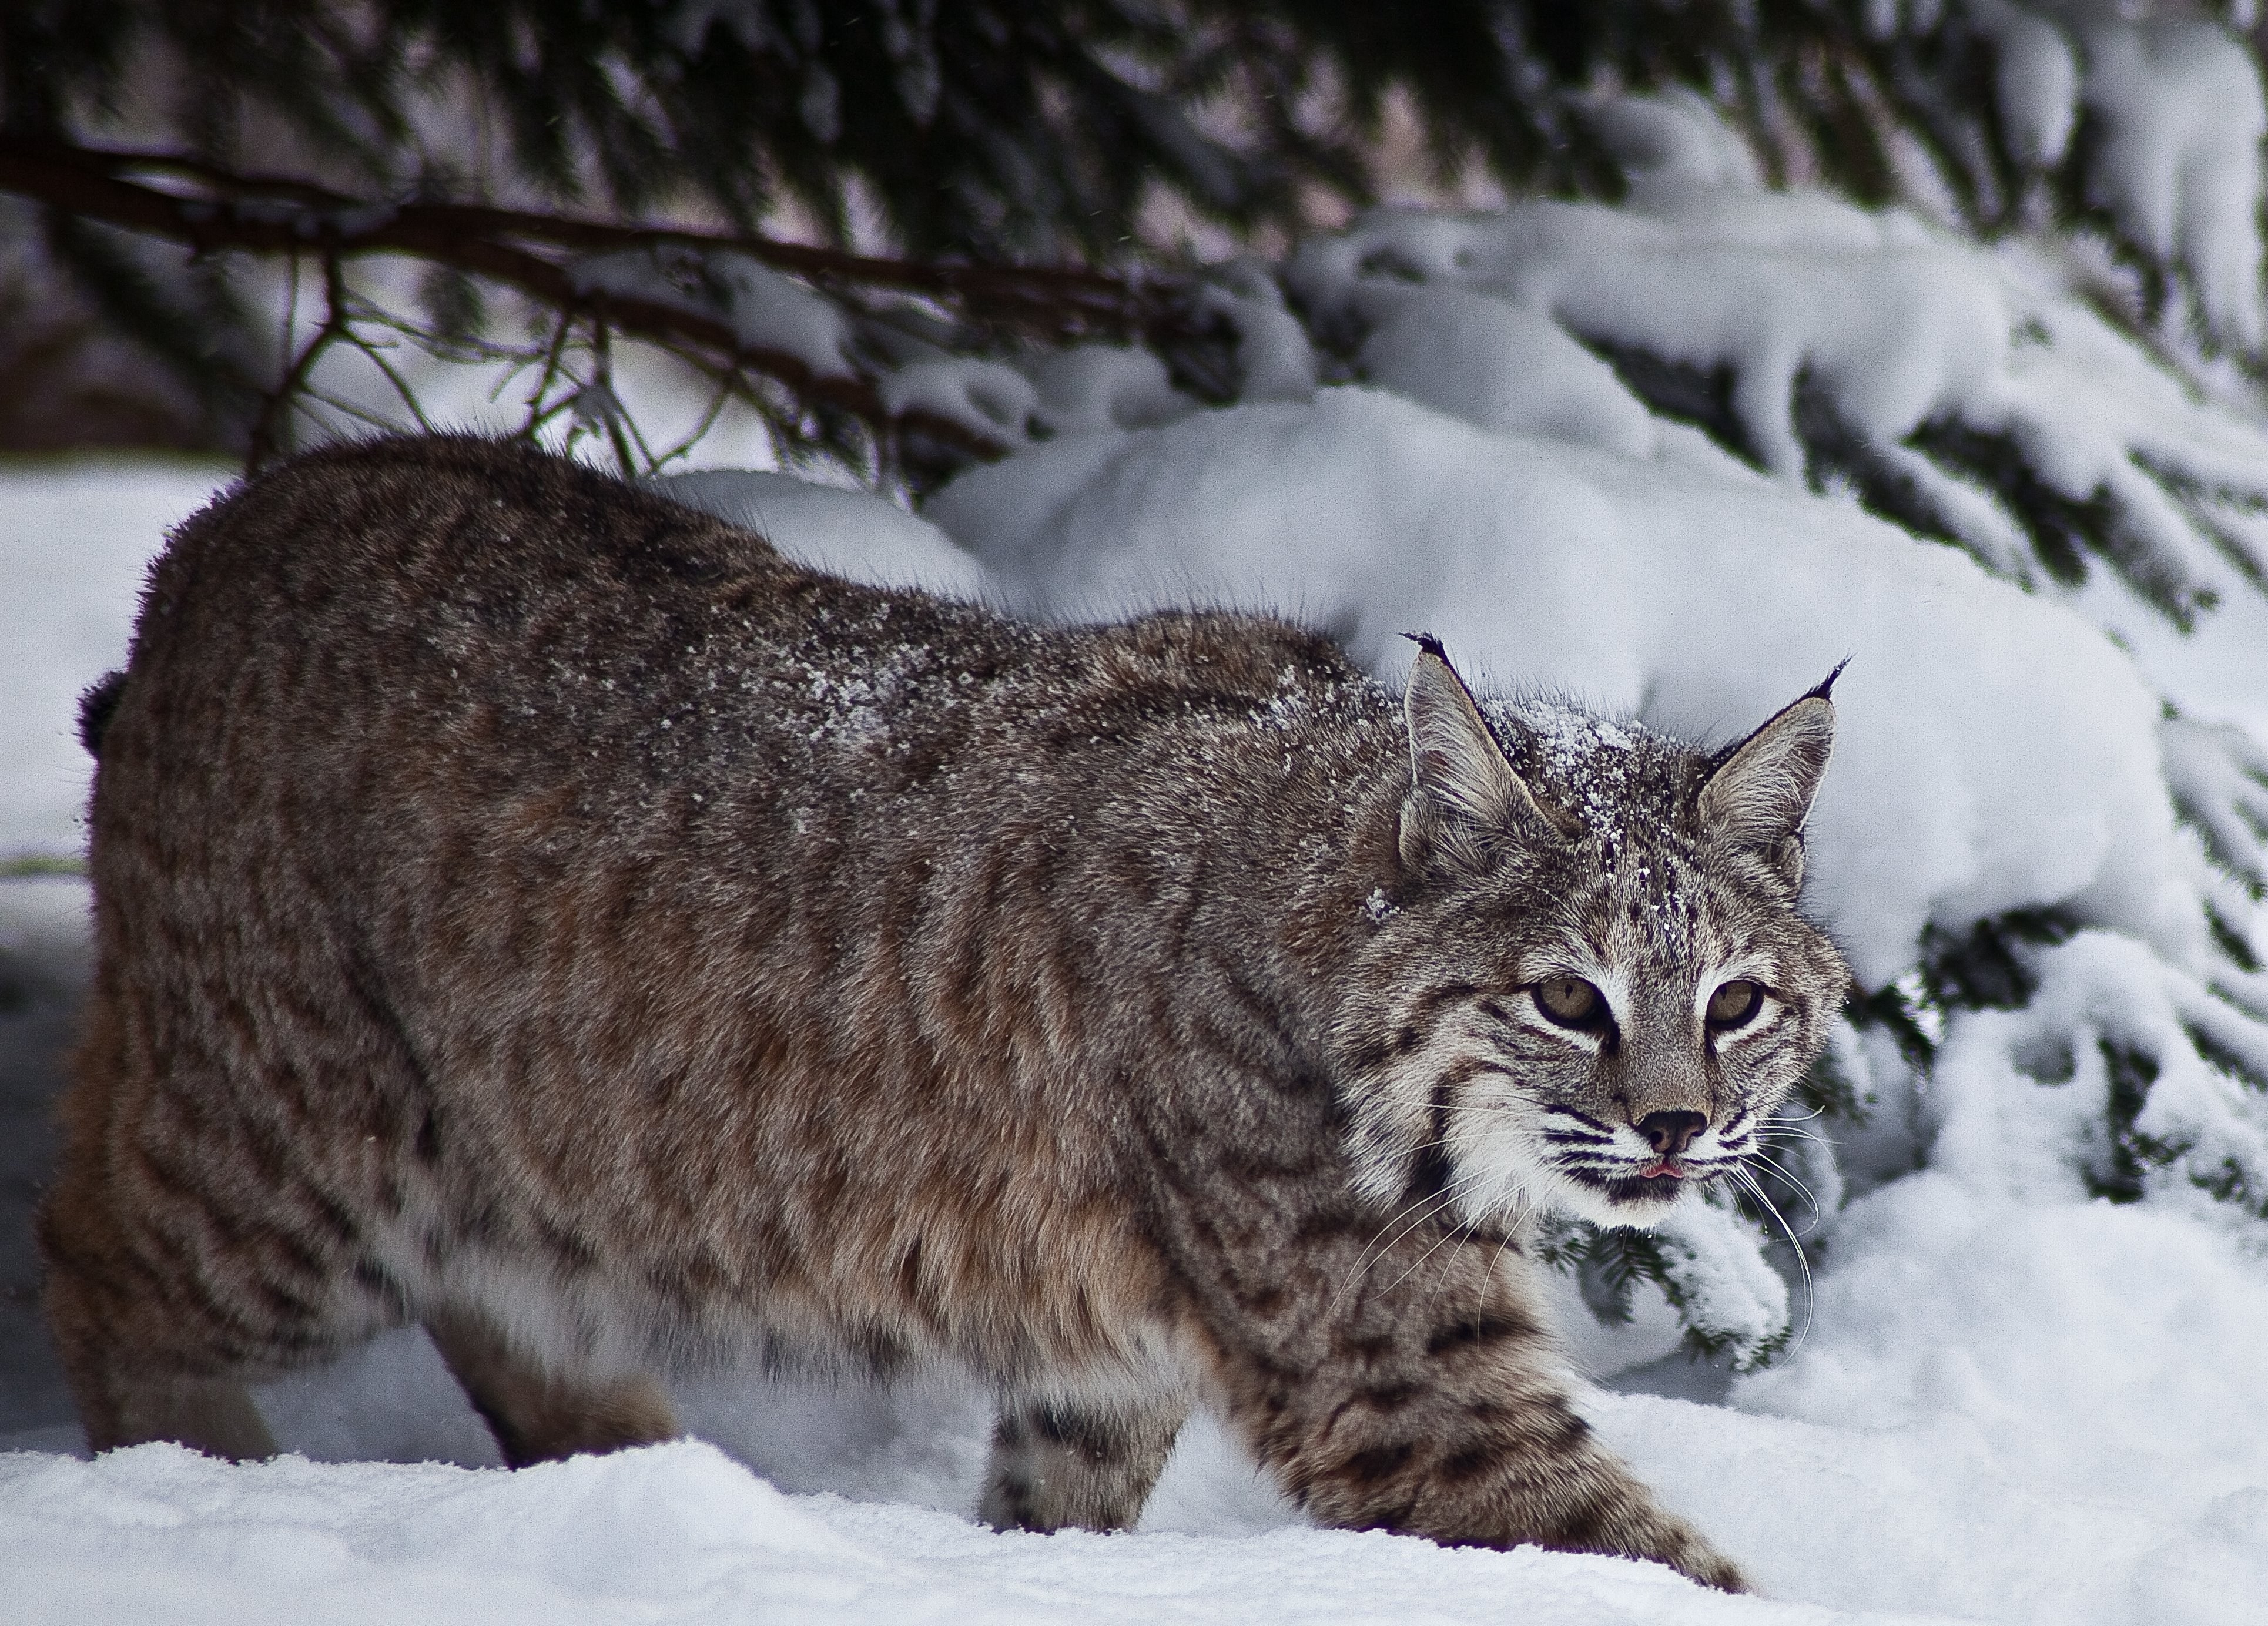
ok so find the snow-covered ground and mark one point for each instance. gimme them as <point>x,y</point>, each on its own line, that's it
<point>2013,1402</point>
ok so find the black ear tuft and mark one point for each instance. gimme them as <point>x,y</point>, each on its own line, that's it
<point>1825,689</point>
<point>1759,794</point>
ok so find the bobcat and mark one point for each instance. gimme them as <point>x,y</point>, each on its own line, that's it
<point>532,909</point>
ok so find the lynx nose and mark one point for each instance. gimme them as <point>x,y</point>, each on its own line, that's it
<point>1671,1132</point>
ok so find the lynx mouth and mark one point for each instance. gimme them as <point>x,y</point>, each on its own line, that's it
<point>1655,1185</point>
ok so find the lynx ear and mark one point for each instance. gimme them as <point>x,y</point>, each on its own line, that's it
<point>1461,783</point>
<point>1759,793</point>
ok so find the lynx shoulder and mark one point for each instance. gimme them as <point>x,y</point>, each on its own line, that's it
<point>531,909</point>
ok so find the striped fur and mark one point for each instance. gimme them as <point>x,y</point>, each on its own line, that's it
<point>531,909</point>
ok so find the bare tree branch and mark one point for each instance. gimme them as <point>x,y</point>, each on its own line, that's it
<point>267,431</point>
<point>277,215</point>
<point>1065,301</point>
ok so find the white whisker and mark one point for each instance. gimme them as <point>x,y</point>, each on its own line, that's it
<point>1403,1222</point>
<point>1802,1264</point>
<point>1789,1175</point>
<point>1790,1132</point>
<point>1446,1236</point>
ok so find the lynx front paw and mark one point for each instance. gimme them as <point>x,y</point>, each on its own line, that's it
<point>1664,1539</point>
<point>1695,1558</point>
<point>1055,1466</point>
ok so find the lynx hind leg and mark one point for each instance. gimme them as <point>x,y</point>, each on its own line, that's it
<point>1054,1465</point>
<point>216,1415</point>
<point>123,1402</point>
<point>542,1414</point>
<point>153,1315</point>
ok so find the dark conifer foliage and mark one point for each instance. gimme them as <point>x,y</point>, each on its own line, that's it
<point>931,131</point>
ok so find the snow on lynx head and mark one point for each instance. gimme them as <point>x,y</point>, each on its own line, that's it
<point>1618,991</point>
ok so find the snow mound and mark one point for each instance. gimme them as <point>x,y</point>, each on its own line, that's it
<point>765,310</point>
<point>1993,750</point>
<point>989,399</point>
<point>1970,395</point>
<point>1104,386</point>
<point>680,1532</point>
<point>846,533</point>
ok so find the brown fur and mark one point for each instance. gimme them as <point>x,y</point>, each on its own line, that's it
<point>530,908</point>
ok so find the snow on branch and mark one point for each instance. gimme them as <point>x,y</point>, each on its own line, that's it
<point>1965,393</point>
<point>2146,129</point>
<point>2219,777</point>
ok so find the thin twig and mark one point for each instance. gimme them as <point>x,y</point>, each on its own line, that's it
<point>277,401</point>
<point>361,414</point>
<point>537,414</point>
<point>716,409</point>
<point>401,384</point>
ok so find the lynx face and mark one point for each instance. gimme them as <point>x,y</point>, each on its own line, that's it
<point>1619,989</point>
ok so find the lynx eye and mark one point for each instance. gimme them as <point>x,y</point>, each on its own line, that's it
<point>1571,1001</point>
<point>1734,1003</point>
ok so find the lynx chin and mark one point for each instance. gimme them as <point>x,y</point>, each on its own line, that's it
<point>530,909</point>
